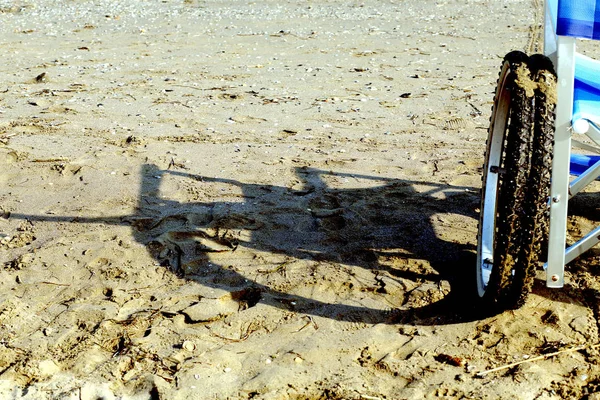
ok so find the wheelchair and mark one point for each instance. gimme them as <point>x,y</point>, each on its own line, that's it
<point>530,171</point>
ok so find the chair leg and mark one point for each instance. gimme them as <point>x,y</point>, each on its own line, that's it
<point>559,198</point>
<point>559,190</point>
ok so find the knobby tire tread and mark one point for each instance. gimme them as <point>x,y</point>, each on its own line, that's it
<point>535,223</point>
<point>515,164</point>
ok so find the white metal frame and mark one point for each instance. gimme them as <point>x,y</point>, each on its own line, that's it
<point>561,50</point>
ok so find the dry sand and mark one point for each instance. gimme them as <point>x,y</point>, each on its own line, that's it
<point>263,200</point>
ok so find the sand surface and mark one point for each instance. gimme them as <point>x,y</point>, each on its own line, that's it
<point>263,200</point>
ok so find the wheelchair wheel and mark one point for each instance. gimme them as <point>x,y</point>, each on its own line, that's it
<point>505,172</point>
<point>536,218</point>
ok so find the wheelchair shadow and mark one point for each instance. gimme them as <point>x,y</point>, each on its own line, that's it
<point>358,228</point>
<point>355,227</point>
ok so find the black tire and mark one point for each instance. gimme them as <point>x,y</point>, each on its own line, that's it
<point>536,218</point>
<point>505,174</point>
<point>546,100</point>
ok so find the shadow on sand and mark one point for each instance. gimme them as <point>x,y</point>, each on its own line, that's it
<point>358,228</point>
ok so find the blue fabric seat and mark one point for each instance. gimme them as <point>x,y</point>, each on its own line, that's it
<point>586,90</point>
<point>579,18</point>
<point>579,163</point>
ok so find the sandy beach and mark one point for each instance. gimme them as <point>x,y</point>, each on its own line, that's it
<point>206,199</point>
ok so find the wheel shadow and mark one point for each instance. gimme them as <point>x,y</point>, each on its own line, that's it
<point>384,227</point>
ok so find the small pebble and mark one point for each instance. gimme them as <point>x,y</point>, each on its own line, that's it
<point>189,346</point>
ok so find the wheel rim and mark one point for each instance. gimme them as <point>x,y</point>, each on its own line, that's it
<point>491,175</point>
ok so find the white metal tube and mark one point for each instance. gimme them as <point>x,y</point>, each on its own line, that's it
<point>559,191</point>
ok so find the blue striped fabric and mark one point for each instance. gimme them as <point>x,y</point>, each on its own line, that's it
<point>579,18</point>
<point>586,90</point>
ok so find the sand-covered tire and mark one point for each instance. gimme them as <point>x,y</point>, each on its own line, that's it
<point>505,174</point>
<point>536,217</point>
